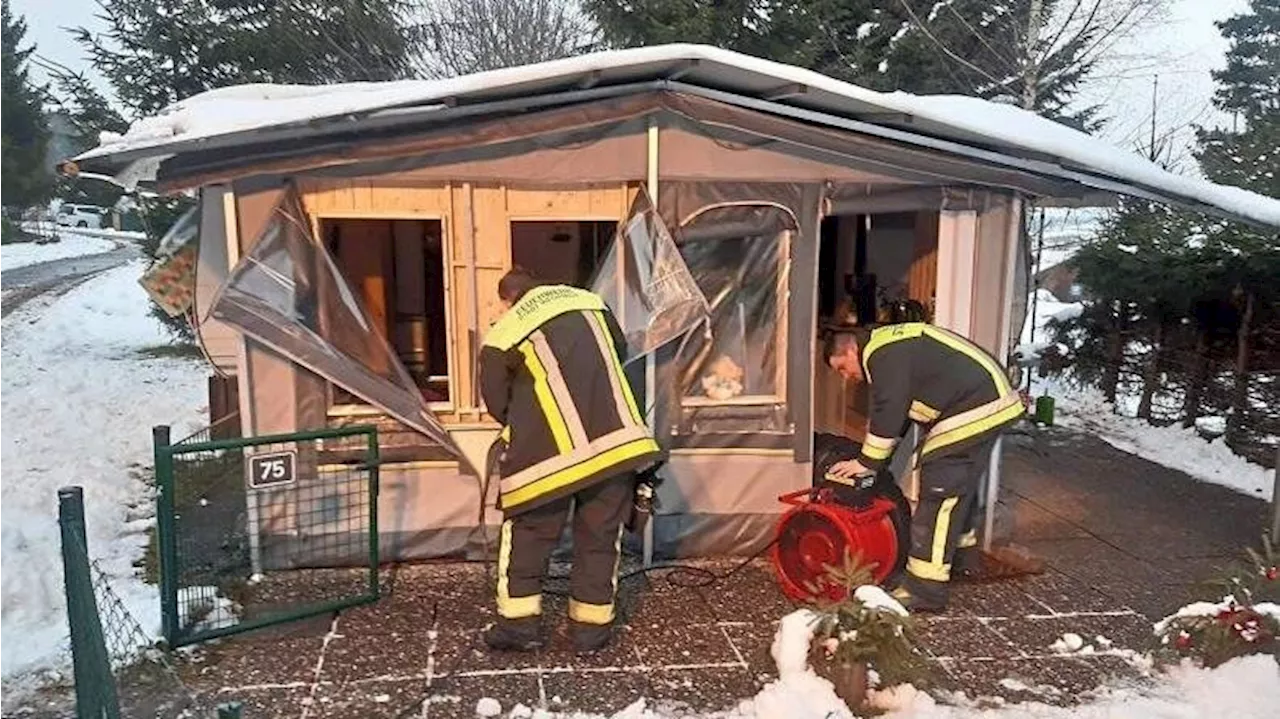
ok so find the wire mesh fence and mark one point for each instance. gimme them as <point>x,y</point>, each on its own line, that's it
<point>238,519</point>
<point>118,669</point>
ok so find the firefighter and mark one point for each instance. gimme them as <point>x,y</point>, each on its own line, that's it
<point>551,373</point>
<point>963,399</point>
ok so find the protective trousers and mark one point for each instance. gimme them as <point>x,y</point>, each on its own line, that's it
<point>528,539</point>
<point>946,519</point>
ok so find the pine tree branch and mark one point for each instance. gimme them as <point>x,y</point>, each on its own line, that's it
<point>916,19</point>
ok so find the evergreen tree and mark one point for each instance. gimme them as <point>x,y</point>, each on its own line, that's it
<point>1245,156</point>
<point>156,52</point>
<point>25,180</point>
<point>90,115</point>
<point>1031,53</point>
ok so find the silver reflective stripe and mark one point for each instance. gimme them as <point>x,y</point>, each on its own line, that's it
<point>560,390</point>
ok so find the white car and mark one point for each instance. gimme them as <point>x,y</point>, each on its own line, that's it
<point>87,216</point>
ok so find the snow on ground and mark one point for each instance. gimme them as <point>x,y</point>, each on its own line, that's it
<point>78,404</point>
<point>72,244</point>
<point>1174,447</point>
<point>1245,688</point>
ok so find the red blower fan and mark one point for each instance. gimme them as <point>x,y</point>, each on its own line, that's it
<point>818,531</point>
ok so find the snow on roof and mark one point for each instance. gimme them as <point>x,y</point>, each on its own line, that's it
<point>964,119</point>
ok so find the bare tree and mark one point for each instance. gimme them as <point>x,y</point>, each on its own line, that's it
<point>1031,53</point>
<point>459,37</point>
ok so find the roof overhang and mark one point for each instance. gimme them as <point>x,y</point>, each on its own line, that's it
<point>711,73</point>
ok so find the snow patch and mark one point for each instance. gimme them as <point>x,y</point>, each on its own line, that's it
<point>1175,447</point>
<point>22,254</point>
<point>79,402</point>
<point>873,597</point>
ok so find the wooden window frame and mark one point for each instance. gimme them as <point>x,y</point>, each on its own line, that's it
<point>364,409</point>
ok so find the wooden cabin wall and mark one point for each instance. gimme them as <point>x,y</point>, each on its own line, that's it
<point>480,211</point>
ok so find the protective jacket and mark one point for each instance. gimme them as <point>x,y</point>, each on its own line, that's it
<point>550,371</point>
<point>926,374</point>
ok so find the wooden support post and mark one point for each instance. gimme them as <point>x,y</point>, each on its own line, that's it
<point>650,364</point>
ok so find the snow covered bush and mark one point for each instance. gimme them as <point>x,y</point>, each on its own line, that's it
<point>1213,633</point>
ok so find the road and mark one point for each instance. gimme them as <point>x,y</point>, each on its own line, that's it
<point>57,276</point>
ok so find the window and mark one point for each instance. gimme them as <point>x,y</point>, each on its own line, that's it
<point>561,252</point>
<point>738,255</point>
<point>397,268</point>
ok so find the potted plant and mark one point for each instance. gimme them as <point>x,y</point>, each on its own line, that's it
<point>866,631</point>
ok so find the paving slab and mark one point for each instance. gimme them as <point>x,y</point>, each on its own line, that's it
<point>1125,541</point>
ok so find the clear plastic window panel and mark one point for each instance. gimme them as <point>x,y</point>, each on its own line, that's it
<point>288,294</point>
<point>737,355</point>
<point>645,282</point>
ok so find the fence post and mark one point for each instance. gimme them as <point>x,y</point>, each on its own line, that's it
<point>95,687</point>
<point>375,467</point>
<point>1275,498</point>
<point>165,537</point>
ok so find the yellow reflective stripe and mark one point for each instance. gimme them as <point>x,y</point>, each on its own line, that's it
<point>941,527</point>
<point>968,539</point>
<point>967,348</point>
<point>888,335</point>
<point>984,422</point>
<point>578,472</point>
<point>590,613</point>
<point>546,398</point>
<point>936,567</point>
<point>560,462</point>
<point>600,613</point>
<point>874,452</point>
<point>927,570</point>
<point>538,306</point>
<point>922,412</point>
<point>617,374</point>
<point>510,607</point>
<point>877,447</point>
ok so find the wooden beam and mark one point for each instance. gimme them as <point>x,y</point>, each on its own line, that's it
<point>885,118</point>
<point>684,68</point>
<point>785,91</point>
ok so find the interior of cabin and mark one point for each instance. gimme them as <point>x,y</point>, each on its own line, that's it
<point>872,268</point>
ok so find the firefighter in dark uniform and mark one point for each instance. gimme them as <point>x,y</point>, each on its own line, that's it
<point>963,399</point>
<point>551,373</point>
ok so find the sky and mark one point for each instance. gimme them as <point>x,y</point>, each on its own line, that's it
<point>1182,47</point>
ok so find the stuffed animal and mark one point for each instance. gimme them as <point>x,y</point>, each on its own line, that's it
<point>723,379</point>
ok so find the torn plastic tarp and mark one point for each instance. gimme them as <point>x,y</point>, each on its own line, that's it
<point>657,299</point>
<point>288,294</point>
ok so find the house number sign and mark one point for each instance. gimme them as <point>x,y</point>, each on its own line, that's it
<point>270,470</point>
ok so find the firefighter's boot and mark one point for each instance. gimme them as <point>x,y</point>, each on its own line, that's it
<point>515,635</point>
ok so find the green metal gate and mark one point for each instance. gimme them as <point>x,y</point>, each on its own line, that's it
<point>264,530</point>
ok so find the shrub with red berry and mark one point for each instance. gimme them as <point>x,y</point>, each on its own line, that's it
<point>1242,623</point>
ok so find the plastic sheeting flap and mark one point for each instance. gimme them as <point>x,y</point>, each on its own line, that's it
<point>647,285</point>
<point>288,293</point>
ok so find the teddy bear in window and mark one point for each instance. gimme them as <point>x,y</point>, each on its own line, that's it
<point>723,379</point>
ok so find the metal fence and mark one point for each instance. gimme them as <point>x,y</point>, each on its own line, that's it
<point>239,519</point>
<point>117,670</point>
